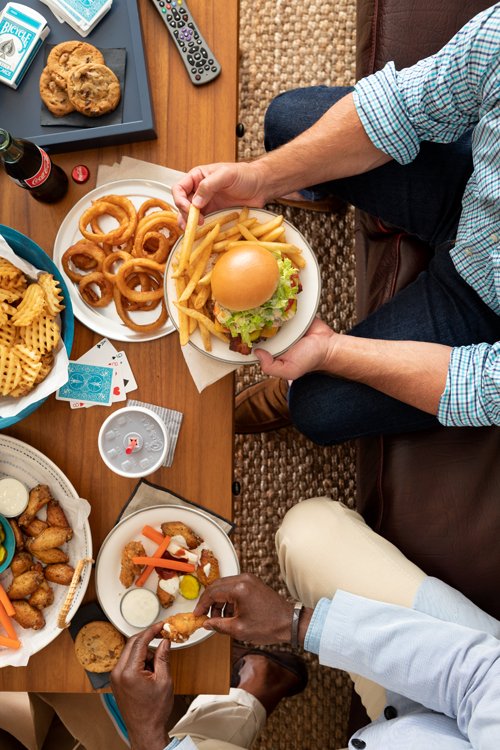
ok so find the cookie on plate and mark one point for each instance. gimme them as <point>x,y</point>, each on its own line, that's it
<point>54,96</point>
<point>93,89</point>
<point>66,56</point>
<point>98,646</point>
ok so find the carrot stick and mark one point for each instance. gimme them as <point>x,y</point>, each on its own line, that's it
<point>7,623</point>
<point>9,642</point>
<point>149,569</point>
<point>155,536</point>
<point>4,599</point>
<point>159,562</point>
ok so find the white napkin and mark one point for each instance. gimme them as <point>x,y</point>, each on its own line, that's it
<point>58,376</point>
<point>203,369</point>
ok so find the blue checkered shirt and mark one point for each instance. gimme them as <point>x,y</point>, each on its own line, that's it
<point>439,99</point>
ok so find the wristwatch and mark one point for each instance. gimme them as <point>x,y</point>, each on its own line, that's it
<point>297,609</point>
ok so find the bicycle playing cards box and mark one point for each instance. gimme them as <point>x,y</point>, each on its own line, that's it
<point>22,31</point>
<point>81,15</point>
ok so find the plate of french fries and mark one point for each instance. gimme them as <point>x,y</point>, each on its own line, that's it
<point>189,270</point>
<point>111,249</point>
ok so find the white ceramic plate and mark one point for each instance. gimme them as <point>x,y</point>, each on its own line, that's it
<point>291,331</point>
<point>21,461</point>
<point>107,577</point>
<point>106,320</point>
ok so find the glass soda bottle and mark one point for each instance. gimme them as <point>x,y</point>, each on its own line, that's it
<point>32,168</point>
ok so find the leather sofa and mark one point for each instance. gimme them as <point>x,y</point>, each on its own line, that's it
<point>435,494</point>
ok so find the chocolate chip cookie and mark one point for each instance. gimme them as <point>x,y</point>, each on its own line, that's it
<point>54,96</point>
<point>98,646</point>
<point>65,57</point>
<point>93,89</point>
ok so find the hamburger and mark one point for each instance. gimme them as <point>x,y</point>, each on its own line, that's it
<point>254,293</point>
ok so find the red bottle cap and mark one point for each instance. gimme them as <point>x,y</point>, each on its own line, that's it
<point>80,173</point>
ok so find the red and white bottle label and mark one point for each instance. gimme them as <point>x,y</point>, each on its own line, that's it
<point>43,173</point>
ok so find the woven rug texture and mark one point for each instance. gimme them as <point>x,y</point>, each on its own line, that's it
<point>284,45</point>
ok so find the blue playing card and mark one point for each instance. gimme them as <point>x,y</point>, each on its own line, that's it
<point>85,10</point>
<point>90,383</point>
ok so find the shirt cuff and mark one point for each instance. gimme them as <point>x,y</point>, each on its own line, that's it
<point>470,397</point>
<point>314,631</point>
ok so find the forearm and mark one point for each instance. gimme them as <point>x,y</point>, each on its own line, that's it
<point>336,146</point>
<point>411,371</point>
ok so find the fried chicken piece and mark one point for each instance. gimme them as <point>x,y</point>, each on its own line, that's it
<point>178,628</point>
<point>25,584</point>
<point>21,562</point>
<point>129,571</point>
<point>17,533</point>
<point>51,537</point>
<point>208,568</point>
<point>179,529</point>
<point>35,528</point>
<point>48,556</point>
<point>59,573</point>
<point>56,515</point>
<point>42,597</point>
<point>27,616</point>
<point>167,589</point>
<point>38,497</point>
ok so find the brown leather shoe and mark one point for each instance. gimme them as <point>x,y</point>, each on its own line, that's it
<point>262,407</point>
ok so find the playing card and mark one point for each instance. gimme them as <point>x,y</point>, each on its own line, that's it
<point>100,354</point>
<point>90,383</point>
<point>129,381</point>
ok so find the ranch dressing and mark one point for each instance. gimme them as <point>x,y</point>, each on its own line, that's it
<point>140,607</point>
<point>13,497</point>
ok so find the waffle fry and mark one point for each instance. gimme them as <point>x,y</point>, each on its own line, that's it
<point>31,364</point>
<point>10,371</point>
<point>42,335</point>
<point>8,334</point>
<point>30,307</point>
<point>52,292</point>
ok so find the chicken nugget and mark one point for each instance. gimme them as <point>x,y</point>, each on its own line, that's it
<point>178,529</point>
<point>42,597</point>
<point>48,556</point>
<point>27,616</point>
<point>129,570</point>
<point>167,588</point>
<point>59,573</point>
<point>25,584</point>
<point>17,533</point>
<point>51,537</point>
<point>35,527</point>
<point>208,568</point>
<point>178,628</point>
<point>55,515</point>
<point>38,497</point>
<point>21,562</point>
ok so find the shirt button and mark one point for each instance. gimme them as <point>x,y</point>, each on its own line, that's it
<point>494,237</point>
<point>358,744</point>
<point>390,712</point>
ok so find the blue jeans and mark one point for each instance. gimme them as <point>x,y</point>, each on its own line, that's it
<point>423,198</point>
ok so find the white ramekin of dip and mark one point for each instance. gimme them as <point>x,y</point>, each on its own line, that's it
<point>13,497</point>
<point>140,607</point>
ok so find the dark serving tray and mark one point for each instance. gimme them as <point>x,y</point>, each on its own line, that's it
<point>20,109</point>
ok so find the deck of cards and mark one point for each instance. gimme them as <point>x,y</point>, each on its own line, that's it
<point>102,376</point>
<point>81,15</point>
<point>22,31</point>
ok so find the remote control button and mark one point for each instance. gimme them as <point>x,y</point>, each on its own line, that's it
<point>214,69</point>
<point>204,53</point>
<point>185,18</point>
<point>191,25</point>
<point>197,55</point>
<point>163,10</point>
<point>193,70</point>
<point>207,67</point>
<point>161,4</point>
<point>190,59</point>
<point>210,62</point>
<point>168,6</point>
<point>172,24</point>
<point>198,77</point>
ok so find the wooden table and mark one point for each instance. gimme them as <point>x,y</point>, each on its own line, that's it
<point>201,126</point>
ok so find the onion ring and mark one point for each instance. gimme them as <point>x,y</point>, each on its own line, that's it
<point>160,252</point>
<point>98,279</point>
<point>153,203</point>
<point>121,201</point>
<point>138,264</point>
<point>154,222</point>
<point>110,260</point>
<point>82,249</point>
<point>124,316</point>
<point>101,208</point>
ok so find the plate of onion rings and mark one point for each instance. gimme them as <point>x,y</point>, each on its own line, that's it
<point>112,248</point>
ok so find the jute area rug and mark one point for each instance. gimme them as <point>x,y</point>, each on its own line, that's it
<point>282,46</point>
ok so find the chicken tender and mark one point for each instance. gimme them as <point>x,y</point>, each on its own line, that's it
<point>56,515</point>
<point>178,628</point>
<point>177,528</point>
<point>27,616</point>
<point>48,556</point>
<point>21,562</point>
<point>167,589</point>
<point>35,527</point>
<point>208,568</point>
<point>59,573</point>
<point>129,570</point>
<point>25,584</point>
<point>17,533</point>
<point>38,497</point>
<point>42,597</point>
<point>51,537</point>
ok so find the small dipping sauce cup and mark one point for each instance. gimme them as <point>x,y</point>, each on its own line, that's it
<point>133,441</point>
<point>140,607</point>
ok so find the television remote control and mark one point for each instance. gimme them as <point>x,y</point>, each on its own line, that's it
<point>196,55</point>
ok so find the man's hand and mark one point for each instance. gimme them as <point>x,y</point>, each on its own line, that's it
<point>215,186</point>
<point>252,611</point>
<point>144,695</point>
<point>312,352</point>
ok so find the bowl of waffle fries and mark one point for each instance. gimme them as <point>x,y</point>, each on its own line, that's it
<point>112,248</point>
<point>224,334</point>
<point>36,327</point>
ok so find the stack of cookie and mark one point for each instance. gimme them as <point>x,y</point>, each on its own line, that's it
<point>76,78</point>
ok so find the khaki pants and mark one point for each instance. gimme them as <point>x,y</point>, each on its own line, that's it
<point>322,546</point>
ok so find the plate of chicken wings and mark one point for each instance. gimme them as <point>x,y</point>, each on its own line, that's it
<point>171,551</point>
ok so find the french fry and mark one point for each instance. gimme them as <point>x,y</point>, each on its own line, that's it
<point>222,220</point>
<point>203,319</point>
<point>180,285</point>
<point>268,226</point>
<point>208,240</point>
<point>205,337</point>
<point>246,233</point>
<point>244,214</point>
<point>201,297</point>
<point>188,240</point>
<point>205,280</point>
<point>272,235</point>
